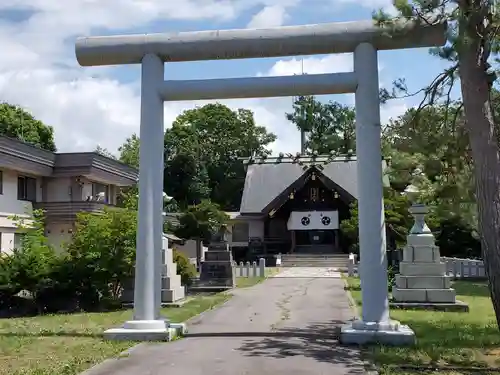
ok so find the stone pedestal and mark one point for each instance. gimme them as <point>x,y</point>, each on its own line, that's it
<point>171,288</point>
<point>217,272</point>
<point>422,281</point>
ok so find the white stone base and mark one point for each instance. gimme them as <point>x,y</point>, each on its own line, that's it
<point>391,333</point>
<point>146,330</point>
<point>424,295</point>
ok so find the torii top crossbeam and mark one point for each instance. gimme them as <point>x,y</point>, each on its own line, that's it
<point>316,39</point>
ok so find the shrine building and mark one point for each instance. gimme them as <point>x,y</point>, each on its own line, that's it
<point>295,204</point>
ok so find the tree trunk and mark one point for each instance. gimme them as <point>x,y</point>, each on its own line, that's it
<point>485,151</point>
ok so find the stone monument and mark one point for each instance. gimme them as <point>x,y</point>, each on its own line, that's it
<point>172,290</point>
<point>217,272</point>
<point>422,282</point>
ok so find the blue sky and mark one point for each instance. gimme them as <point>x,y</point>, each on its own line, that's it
<point>100,106</point>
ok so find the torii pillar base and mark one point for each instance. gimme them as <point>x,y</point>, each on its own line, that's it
<point>146,330</point>
<point>362,333</point>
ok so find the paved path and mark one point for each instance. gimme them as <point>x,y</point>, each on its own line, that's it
<point>309,272</point>
<point>283,326</point>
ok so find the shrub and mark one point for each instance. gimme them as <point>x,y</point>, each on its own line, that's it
<point>184,267</point>
<point>102,253</point>
<point>32,263</point>
<point>391,278</point>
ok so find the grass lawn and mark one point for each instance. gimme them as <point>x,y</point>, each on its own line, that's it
<point>68,344</point>
<point>444,339</point>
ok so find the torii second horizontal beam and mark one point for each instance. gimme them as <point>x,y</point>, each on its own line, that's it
<point>253,43</point>
<point>258,87</point>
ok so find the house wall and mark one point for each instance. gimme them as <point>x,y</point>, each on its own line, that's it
<point>49,189</point>
<point>73,189</point>
<point>7,239</point>
<point>9,204</point>
<point>256,228</point>
<point>59,235</point>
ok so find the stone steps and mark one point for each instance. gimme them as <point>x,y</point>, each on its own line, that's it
<point>339,261</point>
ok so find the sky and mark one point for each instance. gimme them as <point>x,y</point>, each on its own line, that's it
<point>100,105</point>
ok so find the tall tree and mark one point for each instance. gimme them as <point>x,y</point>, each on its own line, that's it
<point>440,148</point>
<point>104,152</point>
<point>129,154</point>
<point>15,122</point>
<point>129,151</point>
<point>186,179</point>
<point>199,222</point>
<point>217,137</point>
<point>329,126</point>
<point>472,45</point>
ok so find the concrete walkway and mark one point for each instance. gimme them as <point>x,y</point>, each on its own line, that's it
<point>283,326</point>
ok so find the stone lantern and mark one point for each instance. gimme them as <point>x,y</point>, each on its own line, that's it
<point>422,281</point>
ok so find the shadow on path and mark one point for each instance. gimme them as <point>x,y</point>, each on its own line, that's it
<point>317,341</point>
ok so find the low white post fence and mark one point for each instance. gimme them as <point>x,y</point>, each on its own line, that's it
<point>458,268</point>
<point>464,268</point>
<point>250,269</point>
<point>351,265</point>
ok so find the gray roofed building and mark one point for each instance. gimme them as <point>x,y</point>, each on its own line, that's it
<point>266,179</point>
<point>60,184</point>
<point>281,191</point>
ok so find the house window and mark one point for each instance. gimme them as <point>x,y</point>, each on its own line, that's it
<point>26,189</point>
<point>100,192</point>
<point>240,232</point>
<point>1,182</point>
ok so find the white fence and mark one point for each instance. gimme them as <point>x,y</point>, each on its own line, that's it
<point>248,269</point>
<point>464,268</point>
<point>457,268</point>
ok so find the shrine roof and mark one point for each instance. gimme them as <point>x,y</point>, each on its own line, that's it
<point>268,177</point>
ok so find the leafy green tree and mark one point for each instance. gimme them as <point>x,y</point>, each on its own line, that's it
<point>200,222</point>
<point>8,284</point>
<point>472,50</point>
<point>104,152</point>
<point>31,264</point>
<point>424,139</point>
<point>329,126</point>
<point>129,154</point>
<point>216,137</point>
<point>15,122</point>
<point>397,219</point>
<point>129,151</point>
<point>186,178</point>
<point>102,250</point>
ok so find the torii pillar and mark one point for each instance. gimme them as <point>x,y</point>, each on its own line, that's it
<point>363,38</point>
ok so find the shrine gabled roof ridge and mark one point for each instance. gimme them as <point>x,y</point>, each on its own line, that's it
<point>301,160</point>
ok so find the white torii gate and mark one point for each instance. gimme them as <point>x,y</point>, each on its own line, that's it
<point>153,50</point>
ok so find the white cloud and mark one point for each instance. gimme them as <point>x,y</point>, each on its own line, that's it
<point>269,16</point>
<point>88,107</point>
<point>312,65</point>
